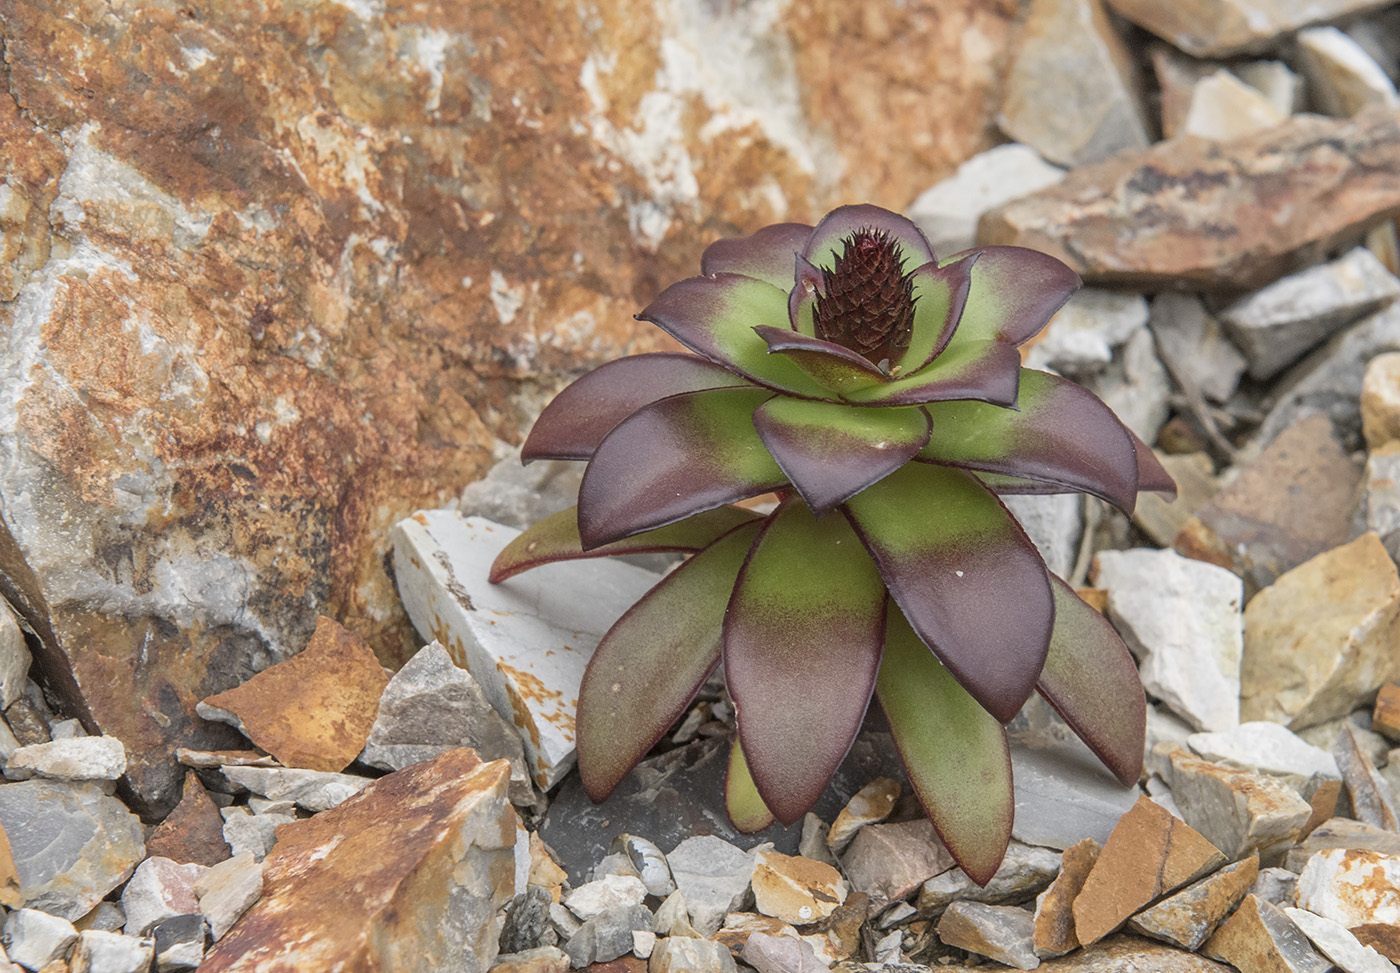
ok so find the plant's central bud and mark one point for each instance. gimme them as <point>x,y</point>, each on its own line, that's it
<point>868,301</point>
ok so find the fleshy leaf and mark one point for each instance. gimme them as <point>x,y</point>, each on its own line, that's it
<point>1152,475</point>
<point>837,368</point>
<point>802,642</point>
<point>1014,292</point>
<point>577,419</point>
<point>767,254</point>
<point>954,751</point>
<point>1062,434</point>
<point>983,370</point>
<point>653,661</point>
<point>672,459</point>
<point>802,299</point>
<point>1091,680</point>
<point>1001,484</point>
<point>940,294</point>
<point>828,235</point>
<point>741,799</point>
<point>715,316</point>
<point>966,576</point>
<point>556,539</point>
<point>830,451</point>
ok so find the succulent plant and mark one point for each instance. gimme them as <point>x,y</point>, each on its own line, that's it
<point>878,391</point>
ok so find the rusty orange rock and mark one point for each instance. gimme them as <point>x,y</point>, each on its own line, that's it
<point>193,832</point>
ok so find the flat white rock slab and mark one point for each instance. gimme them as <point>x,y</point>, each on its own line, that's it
<point>527,640</point>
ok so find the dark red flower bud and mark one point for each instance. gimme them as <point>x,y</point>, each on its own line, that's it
<point>867,301</point>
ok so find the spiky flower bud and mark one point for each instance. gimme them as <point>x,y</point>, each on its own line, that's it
<point>867,301</point>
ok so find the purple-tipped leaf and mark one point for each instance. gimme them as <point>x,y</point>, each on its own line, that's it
<point>982,370</point>
<point>966,576</point>
<point>830,452</point>
<point>1152,475</point>
<point>716,317</point>
<point>802,641</point>
<point>653,661</point>
<point>672,459</point>
<point>556,539</point>
<point>837,368</point>
<point>940,294</point>
<point>954,751</point>
<point>577,419</point>
<point>768,254</point>
<point>1091,680</point>
<point>828,237</point>
<point>745,807</point>
<point>802,299</point>
<point>1014,292</point>
<point>1060,433</point>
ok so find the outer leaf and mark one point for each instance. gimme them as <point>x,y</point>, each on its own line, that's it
<point>802,642</point>
<point>827,238</point>
<point>955,752</point>
<point>1091,680</point>
<point>1152,475</point>
<point>715,316</point>
<point>968,579</point>
<point>1014,292</point>
<point>556,539</point>
<point>1062,434</point>
<point>746,808</point>
<point>653,661</point>
<point>767,254</point>
<point>940,294</point>
<point>803,297</point>
<point>830,452</point>
<point>672,459</point>
<point>575,422</point>
<point>983,370</point>
<point>837,368</point>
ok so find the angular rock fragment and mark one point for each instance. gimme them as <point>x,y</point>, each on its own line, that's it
<point>227,890</point>
<point>1276,885</point>
<point>713,875</point>
<point>14,658</point>
<point>607,935</point>
<point>1196,485</point>
<point>1224,107</point>
<point>780,954</point>
<point>1062,792</point>
<point>1351,886</point>
<point>1383,937</point>
<point>159,889</point>
<point>73,759</point>
<point>1054,523</point>
<point>314,790</point>
<point>1260,937</point>
<point>179,943</point>
<point>1082,337</point>
<point>1266,747</point>
<point>1385,717</point>
<point>1191,344</point>
<point>1343,78</point>
<point>429,854</point>
<point>870,805</point>
<point>1276,81</point>
<point>1343,833</point>
<point>608,892</point>
<point>999,932</point>
<point>193,832</point>
<point>1337,943</point>
<point>1136,387</point>
<point>527,923</point>
<point>649,861</point>
<point>1372,799</point>
<point>255,834</point>
<point>1320,639</point>
<point>1053,933</point>
<point>1211,28</point>
<point>1187,918</point>
<point>99,951</point>
<point>34,938</point>
<point>889,862</point>
<point>1380,400</point>
<point>1024,872</point>
<point>525,641</point>
<point>1236,810</point>
<point>682,955</point>
<point>1119,954</point>
<point>948,211</point>
<point>796,889</point>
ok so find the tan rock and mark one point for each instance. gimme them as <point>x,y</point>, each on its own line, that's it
<point>891,861</point>
<point>1383,937</point>
<point>1343,78</point>
<point>193,832</point>
<point>870,805</point>
<point>1320,640</point>
<point>544,870</point>
<point>542,959</point>
<point>1224,107</point>
<point>1209,28</point>
<point>1187,918</point>
<point>406,875</point>
<point>228,890</point>
<point>796,889</point>
<point>10,896</point>
<point>1238,811</point>
<point>1372,799</point>
<point>1196,485</point>
<point>842,929</point>
<point>1260,937</point>
<point>1121,953</point>
<point>1000,932</point>
<point>1380,400</point>
<point>1149,854</point>
<point>1054,908</point>
<point>1176,75</point>
<point>1385,717</point>
<point>1235,214</point>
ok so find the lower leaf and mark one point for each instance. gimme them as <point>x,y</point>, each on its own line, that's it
<point>741,800</point>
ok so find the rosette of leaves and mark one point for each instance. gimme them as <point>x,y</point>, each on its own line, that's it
<point>878,391</point>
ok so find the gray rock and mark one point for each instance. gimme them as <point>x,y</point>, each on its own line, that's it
<point>1194,347</point>
<point>107,916</point>
<point>648,862</point>
<point>1259,936</point>
<point>1337,943</point>
<point>673,918</point>
<point>683,955</point>
<point>71,759</point>
<point>1381,506</point>
<point>714,877</point>
<point>111,952</point>
<point>1136,387</point>
<point>67,730</point>
<point>34,938</point>
<point>430,706</point>
<point>1000,932</point>
<point>605,894</point>
<point>180,943</point>
<point>227,890</point>
<point>607,936</point>
<point>1276,885</point>
<point>1372,800</point>
<point>1081,338</point>
<point>159,889</point>
<point>780,954</point>
<point>314,790</point>
<point>565,923</point>
<point>813,843</point>
<point>252,833</point>
<point>889,862</point>
<point>948,211</point>
<point>517,495</point>
<point>8,743</point>
<point>1346,834</point>
<point>72,844</point>
<point>1063,793</point>
<point>527,924</point>
<point>1024,872</point>
<point>14,658</point>
<point>1054,523</point>
<point>1268,747</point>
<point>1342,77</point>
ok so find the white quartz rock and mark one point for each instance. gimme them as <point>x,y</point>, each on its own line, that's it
<point>73,759</point>
<point>1268,747</point>
<point>314,790</point>
<point>1083,334</point>
<point>1336,942</point>
<point>1344,79</point>
<point>34,939</point>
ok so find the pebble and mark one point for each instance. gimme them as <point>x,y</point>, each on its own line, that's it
<point>714,877</point>
<point>1351,886</point>
<point>649,863</point>
<point>795,889</point>
<point>159,889</point>
<point>193,831</point>
<point>111,952</point>
<point>1192,344</point>
<point>314,790</point>
<point>1380,400</point>
<point>1342,77</point>
<point>780,954</point>
<point>1337,943</point>
<point>1238,811</point>
<point>1260,937</point>
<point>1224,107</point>
<point>1023,873</point>
<point>180,942</point>
<point>890,861</point>
<point>1003,933</point>
<point>15,659</point>
<point>1063,794</point>
<point>1084,335</point>
<point>607,935</point>
<point>643,943</point>
<point>34,938</point>
<point>1187,918</point>
<point>1382,499</point>
<point>255,834</point>
<point>608,892</point>
<point>227,890</point>
<point>673,918</point>
<point>1266,747</point>
<point>684,955</point>
<point>71,759</point>
<point>1053,933</point>
<point>870,805</point>
<point>1372,800</point>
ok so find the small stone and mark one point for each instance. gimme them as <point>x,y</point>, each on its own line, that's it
<point>1342,833</point>
<point>105,917</point>
<point>27,723</point>
<point>1260,937</point>
<point>1320,639</point>
<point>649,863</point>
<point>684,955</point>
<point>314,790</point>
<point>565,922</point>
<point>813,843</point>
<point>841,930</point>
<point>1342,77</point>
<point>643,943</point>
<point>227,890</point>
<point>517,495</point>
<point>607,935</point>
<point>1224,107</point>
<point>1187,918</point>
<point>1372,799</point>
<point>948,211</point>
<point>1148,855</point>
<point>542,959</point>
<point>8,743</point>
<point>1177,76</point>
<point>889,862</point>
<point>111,952</point>
<point>1136,387</point>
<point>1380,400</point>
<point>179,942</point>
<point>608,892</point>
<point>1212,28</point>
<point>1266,747</point>
<point>739,926</point>
<point>796,889</point>
<point>1054,522</point>
<point>193,832</point>
<point>430,706</point>
<point>14,658</point>
<point>73,759</point>
<point>1383,937</point>
<point>255,834</point>
<point>780,954</point>
<point>1000,932</point>
<point>1054,914</point>
<point>544,870</point>
<point>673,918</point>
<point>870,805</point>
<point>1337,943</point>
<point>1192,344</point>
<point>1181,618</point>
<point>1381,503</point>
<point>1063,794</point>
<point>1385,717</point>
<point>1070,94</point>
<point>714,875</point>
<point>1275,81</point>
<point>158,890</point>
<point>527,924</point>
<point>1351,886</point>
<point>1236,810</point>
<point>1023,873</point>
<point>314,710</point>
<point>34,938</point>
<point>1276,885</point>
<point>1082,337</point>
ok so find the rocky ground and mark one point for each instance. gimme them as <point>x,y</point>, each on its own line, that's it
<point>1224,176</point>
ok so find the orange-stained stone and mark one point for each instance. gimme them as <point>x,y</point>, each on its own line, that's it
<point>316,709</point>
<point>1188,917</point>
<point>407,875</point>
<point>1383,937</point>
<point>1054,908</point>
<point>1149,854</point>
<point>796,889</point>
<point>9,878</point>
<point>193,832</point>
<point>1385,718</point>
<point>1259,936</point>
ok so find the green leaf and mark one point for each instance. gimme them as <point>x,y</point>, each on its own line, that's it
<point>837,368</point>
<point>827,239</point>
<point>768,254</point>
<point>1013,293</point>
<point>969,580</point>
<point>985,370</point>
<point>954,750</point>
<point>1091,680</point>
<point>746,809</point>
<point>801,646</point>
<point>556,539</point>
<point>652,662</point>
<point>830,451</point>
<point>940,293</point>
